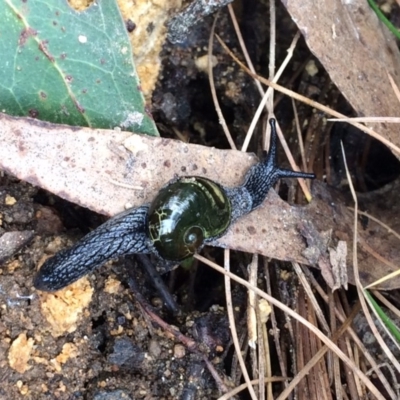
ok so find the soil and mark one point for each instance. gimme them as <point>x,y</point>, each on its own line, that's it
<point>91,340</point>
<point>94,340</point>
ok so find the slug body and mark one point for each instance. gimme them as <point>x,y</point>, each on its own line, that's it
<point>185,215</point>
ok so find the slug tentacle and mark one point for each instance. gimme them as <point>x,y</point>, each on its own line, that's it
<point>262,176</point>
<point>121,235</point>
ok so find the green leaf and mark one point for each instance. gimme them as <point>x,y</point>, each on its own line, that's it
<point>69,67</point>
<point>390,325</point>
<point>383,18</point>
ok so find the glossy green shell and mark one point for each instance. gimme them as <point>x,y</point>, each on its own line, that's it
<point>184,214</point>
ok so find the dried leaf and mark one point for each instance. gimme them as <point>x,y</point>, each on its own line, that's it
<point>83,165</point>
<point>357,51</point>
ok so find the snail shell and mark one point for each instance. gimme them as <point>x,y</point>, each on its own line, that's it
<point>185,214</point>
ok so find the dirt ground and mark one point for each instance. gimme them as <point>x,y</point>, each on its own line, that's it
<point>97,339</point>
<point>91,340</point>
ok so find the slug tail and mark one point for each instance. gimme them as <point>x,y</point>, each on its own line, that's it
<point>121,235</point>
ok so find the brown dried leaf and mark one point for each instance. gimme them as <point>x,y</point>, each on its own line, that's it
<point>82,165</point>
<point>107,170</point>
<point>339,268</point>
<point>357,51</point>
